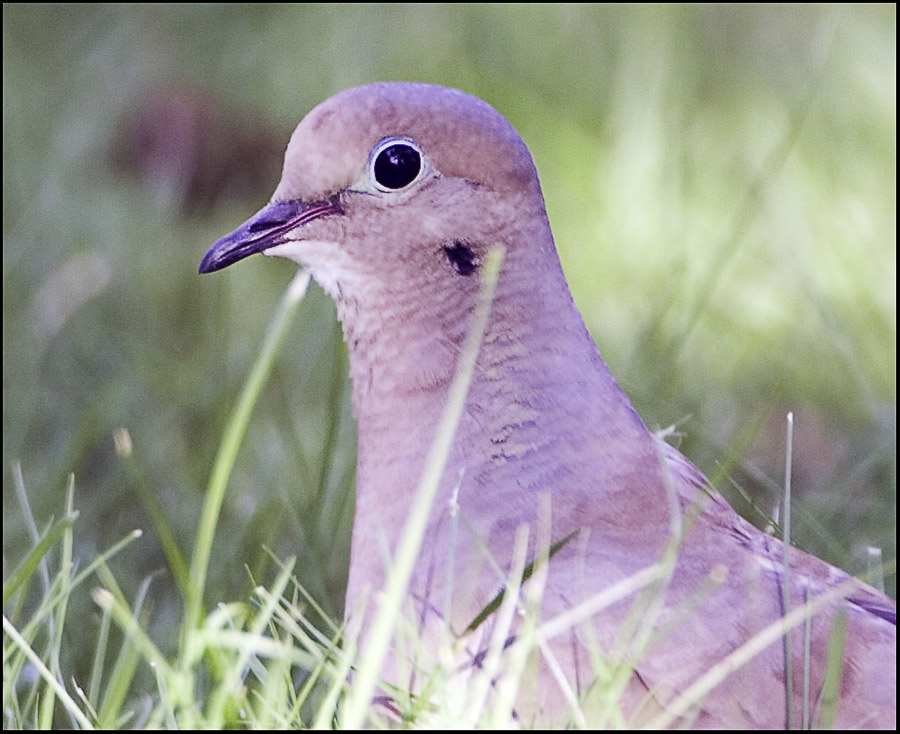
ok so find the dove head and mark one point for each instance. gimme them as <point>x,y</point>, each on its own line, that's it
<point>378,171</point>
<point>391,195</point>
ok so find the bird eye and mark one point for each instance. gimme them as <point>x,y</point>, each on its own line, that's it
<point>396,163</point>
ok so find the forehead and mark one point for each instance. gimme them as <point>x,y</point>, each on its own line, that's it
<point>462,135</point>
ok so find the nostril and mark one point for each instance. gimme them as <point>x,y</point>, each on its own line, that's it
<point>266,224</point>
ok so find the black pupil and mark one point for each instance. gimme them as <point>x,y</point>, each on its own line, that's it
<point>397,166</point>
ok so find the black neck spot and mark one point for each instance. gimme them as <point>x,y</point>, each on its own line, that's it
<point>461,257</point>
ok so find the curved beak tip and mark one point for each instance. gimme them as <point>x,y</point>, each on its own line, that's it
<point>267,228</point>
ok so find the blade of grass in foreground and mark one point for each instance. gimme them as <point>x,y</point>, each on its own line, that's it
<point>28,566</point>
<point>63,695</point>
<point>231,441</point>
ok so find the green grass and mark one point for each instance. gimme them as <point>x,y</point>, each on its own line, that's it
<point>721,183</point>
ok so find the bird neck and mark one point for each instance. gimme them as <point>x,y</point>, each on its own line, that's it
<point>539,392</point>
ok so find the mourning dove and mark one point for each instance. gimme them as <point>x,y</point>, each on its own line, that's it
<point>392,195</point>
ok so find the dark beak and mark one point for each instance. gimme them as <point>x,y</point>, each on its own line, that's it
<point>267,228</point>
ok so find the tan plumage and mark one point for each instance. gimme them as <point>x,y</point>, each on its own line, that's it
<point>543,415</point>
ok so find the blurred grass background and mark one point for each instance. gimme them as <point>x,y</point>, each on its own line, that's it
<point>721,181</point>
